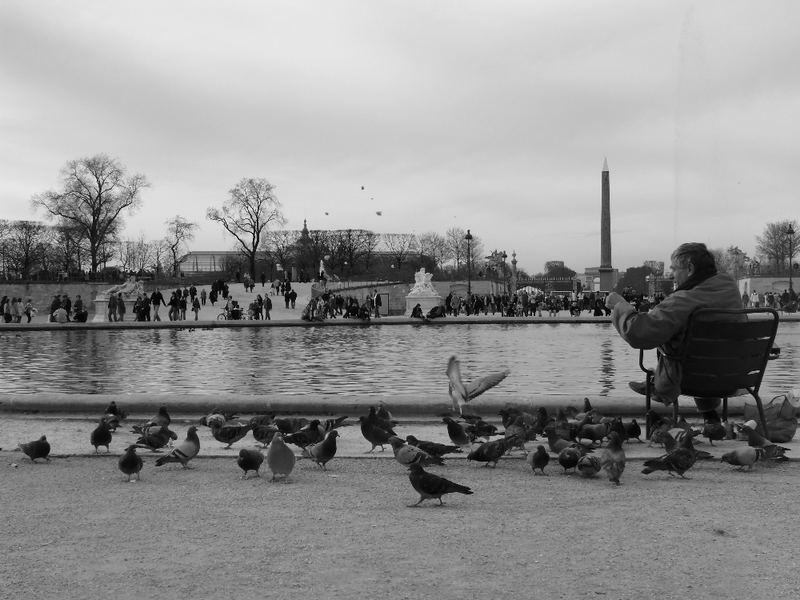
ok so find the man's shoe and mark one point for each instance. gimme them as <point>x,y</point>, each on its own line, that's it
<point>640,387</point>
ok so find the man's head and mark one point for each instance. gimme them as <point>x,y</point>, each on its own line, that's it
<point>692,259</point>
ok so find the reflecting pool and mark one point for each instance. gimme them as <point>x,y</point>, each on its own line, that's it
<point>549,359</point>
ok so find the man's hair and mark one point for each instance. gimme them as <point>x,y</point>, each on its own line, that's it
<point>697,254</point>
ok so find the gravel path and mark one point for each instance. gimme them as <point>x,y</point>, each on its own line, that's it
<point>73,528</point>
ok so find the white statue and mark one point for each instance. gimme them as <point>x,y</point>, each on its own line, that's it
<point>423,285</point>
<point>130,287</point>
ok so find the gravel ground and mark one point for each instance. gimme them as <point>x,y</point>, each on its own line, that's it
<point>73,528</point>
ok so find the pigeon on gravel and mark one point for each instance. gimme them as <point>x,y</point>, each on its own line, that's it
<point>407,455</point>
<point>323,452</point>
<point>432,448</point>
<point>677,461</point>
<point>101,435</point>
<point>36,449</point>
<point>373,434</point>
<point>155,439</point>
<point>183,452</point>
<point>457,433</point>
<point>490,453</point>
<point>280,458</point>
<point>538,460</point>
<point>249,460</point>
<point>743,456</point>
<point>588,465</point>
<point>430,485</point>
<point>613,458</point>
<point>229,433</point>
<point>131,463</point>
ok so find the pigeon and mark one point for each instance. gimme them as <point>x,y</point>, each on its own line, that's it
<point>633,431</point>
<point>677,461</point>
<point>588,465</point>
<point>569,457</point>
<point>250,460</point>
<point>183,452</point>
<point>538,460</point>
<point>458,435</point>
<point>324,451</point>
<point>756,440</point>
<point>595,432</point>
<point>264,433</point>
<point>613,458</point>
<point>331,424</point>
<point>156,439</point>
<point>478,428</point>
<point>262,419</point>
<point>280,458</point>
<point>491,452</point>
<point>162,418</point>
<point>686,442</point>
<point>407,455</point>
<point>743,456</point>
<point>432,448</point>
<point>36,449</point>
<point>289,424</point>
<point>130,463</point>
<point>229,433</point>
<point>101,435</point>
<point>385,423</point>
<point>373,434</point>
<point>461,393</point>
<point>714,431</point>
<point>520,431</point>
<point>430,485</point>
<point>311,433</point>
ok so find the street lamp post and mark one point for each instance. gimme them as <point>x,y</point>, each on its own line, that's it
<point>468,237</point>
<point>790,232</point>
<point>504,256</point>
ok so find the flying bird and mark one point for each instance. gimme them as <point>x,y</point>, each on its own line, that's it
<point>460,392</point>
<point>36,449</point>
<point>430,485</point>
<point>101,435</point>
<point>183,452</point>
<point>131,463</point>
<point>324,451</point>
<point>280,458</point>
<point>250,460</point>
<point>613,458</point>
<point>538,460</point>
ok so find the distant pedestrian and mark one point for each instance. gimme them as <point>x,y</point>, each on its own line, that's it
<point>120,307</point>
<point>196,308</point>
<point>203,296</point>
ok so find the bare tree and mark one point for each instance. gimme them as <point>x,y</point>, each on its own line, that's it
<point>25,244</point>
<point>251,208</point>
<point>399,246</point>
<point>179,232</point>
<point>71,247</point>
<point>280,245</point>
<point>434,246</point>
<point>773,244</point>
<point>136,256</point>
<point>350,248</point>
<point>96,192</point>
<point>456,246</point>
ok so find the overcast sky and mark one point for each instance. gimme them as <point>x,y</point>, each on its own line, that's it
<point>494,116</point>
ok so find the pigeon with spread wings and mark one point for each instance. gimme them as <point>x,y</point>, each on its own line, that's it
<point>461,393</point>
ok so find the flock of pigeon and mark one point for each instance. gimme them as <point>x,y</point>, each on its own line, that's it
<point>575,438</point>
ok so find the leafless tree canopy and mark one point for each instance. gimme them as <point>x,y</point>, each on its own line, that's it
<point>434,246</point>
<point>179,232</point>
<point>96,192</point>
<point>250,209</point>
<point>773,245</point>
<point>400,246</point>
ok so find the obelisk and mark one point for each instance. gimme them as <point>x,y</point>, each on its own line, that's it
<point>606,270</point>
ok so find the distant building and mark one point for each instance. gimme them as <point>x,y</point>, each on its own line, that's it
<point>206,261</point>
